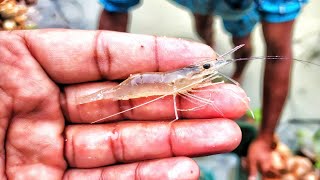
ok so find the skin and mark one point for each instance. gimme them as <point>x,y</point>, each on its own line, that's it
<point>43,72</point>
<point>203,25</point>
<point>113,21</point>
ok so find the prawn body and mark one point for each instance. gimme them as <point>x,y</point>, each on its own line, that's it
<point>162,84</point>
<point>155,84</point>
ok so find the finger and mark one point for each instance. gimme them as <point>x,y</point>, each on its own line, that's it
<point>170,168</point>
<point>71,56</point>
<point>253,171</point>
<point>224,100</point>
<point>90,146</point>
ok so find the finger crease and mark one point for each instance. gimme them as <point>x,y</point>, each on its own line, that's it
<point>156,55</point>
<point>112,145</point>
<point>122,146</point>
<point>115,142</point>
<point>131,106</point>
<point>102,174</point>
<point>102,56</point>
<point>171,134</point>
<point>137,171</point>
<point>26,42</point>
<point>73,161</point>
<point>125,115</point>
<point>10,104</point>
<point>122,116</point>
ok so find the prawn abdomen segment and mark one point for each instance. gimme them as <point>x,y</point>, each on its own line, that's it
<point>144,85</point>
<point>152,84</point>
<point>156,84</point>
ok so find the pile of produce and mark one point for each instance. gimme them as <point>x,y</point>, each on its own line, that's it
<point>13,16</point>
<point>286,166</point>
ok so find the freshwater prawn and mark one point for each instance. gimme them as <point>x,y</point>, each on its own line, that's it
<point>177,82</point>
<point>162,84</point>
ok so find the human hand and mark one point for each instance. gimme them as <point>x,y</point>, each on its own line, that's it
<point>46,135</point>
<point>259,157</point>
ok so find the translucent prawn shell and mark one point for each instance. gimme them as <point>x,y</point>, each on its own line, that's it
<point>161,83</point>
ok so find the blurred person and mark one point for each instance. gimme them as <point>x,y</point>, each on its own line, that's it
<point>115,14</point>
<point>28,2</point>
<point>45,134</point>
<point>277,19</point>
<point>239,18</point>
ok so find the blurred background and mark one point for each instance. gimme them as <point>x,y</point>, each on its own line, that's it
<point>176,21</point>
<point>299,127</point>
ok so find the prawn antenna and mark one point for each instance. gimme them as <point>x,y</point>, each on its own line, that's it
<point>220,61</point>
<point>230,52</point>
<point>273,58</point>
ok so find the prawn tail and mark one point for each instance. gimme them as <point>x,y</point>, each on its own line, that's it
<point>99,95</point>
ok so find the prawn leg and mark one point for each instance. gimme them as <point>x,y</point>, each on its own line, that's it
<point>175,110</point>
<point>233,94</point>
<point>207,101</point>
<point>228,78</point>
<point>189,99</point>
<point>200,106</point>
<point>206,84</point>
<point>175,107</point>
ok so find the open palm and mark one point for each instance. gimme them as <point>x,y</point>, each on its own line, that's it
<point>46,135</point>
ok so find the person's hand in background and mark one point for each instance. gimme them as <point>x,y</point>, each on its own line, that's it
<point>44,72</point>
<point>259,157</point>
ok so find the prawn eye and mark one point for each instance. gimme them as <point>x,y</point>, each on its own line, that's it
<point>206,66</point>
